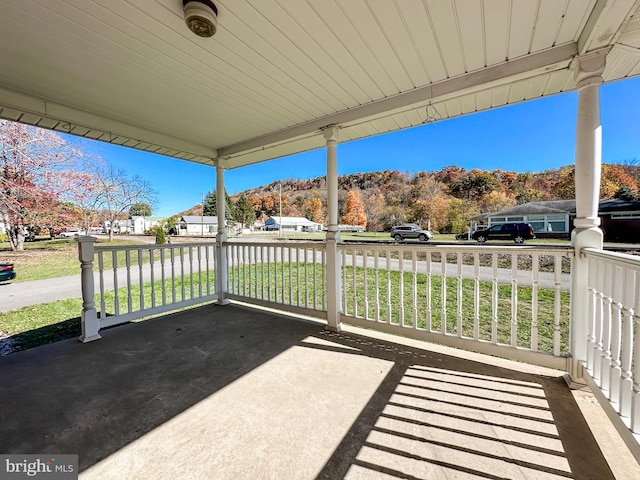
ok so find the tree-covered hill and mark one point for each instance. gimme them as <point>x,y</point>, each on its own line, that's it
<point>443,200</point>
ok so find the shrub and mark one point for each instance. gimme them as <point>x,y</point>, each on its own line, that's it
<point>161,238</point>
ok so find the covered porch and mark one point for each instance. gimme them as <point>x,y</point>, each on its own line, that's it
<point>235,392</point>
<point>282,77</point>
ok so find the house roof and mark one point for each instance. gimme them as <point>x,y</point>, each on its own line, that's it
<point>197,219</point>
<point>291,220</point>
<point>559,207</point>
<point>278,71</point>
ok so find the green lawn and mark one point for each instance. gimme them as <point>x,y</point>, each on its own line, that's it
<point>53,258</point>
<point>31,326</point>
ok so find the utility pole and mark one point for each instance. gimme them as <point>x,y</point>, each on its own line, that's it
<point>202,217</point>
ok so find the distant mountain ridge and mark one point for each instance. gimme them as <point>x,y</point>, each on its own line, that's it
<point>442,200</point>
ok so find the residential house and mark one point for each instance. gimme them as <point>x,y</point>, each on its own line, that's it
<point>198,225</point>
<point>297,224</point>
<point>619,219</point>
<point>140,225</point>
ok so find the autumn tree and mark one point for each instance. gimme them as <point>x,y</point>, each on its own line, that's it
<point>432,213</point>
<point>460,212</point>
<point>612,178</point>
<point>313,210</point>
<point>38,171</point>
<point>528,195</point>
<point>475,184</point>
<point>374,207</point>
<point>393,215</point>
<point>497,201</point>
<point>117,193</point>
<point>354,210</point>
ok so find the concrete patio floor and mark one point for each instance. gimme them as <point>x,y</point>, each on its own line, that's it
<point>236,393</point>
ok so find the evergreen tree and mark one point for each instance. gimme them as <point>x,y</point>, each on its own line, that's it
<point>244,212</point>
<point>210,205</point>
<point>140,209</point>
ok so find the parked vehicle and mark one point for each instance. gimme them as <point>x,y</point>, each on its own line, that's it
<point>410,230</point>
<point>517,232</point>
<point>7,272</point>
<point>67,232</point>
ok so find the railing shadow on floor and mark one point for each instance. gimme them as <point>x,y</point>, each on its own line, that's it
<point>435,415</point>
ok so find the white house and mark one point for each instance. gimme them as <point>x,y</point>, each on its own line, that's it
<point>298,224</point>
<point>198,225</point>
<point>139,224</point>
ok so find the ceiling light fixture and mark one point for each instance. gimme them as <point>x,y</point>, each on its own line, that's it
<point>201,16</point>
<point>433,115</point>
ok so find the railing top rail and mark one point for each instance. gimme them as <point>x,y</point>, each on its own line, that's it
<point>148,246</point>
<point>616,258</point>
<point>294,244</point>
<point>520,249</point>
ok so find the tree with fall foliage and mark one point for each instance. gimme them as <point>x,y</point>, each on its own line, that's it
<point>612,178</point>
<point>354,210</point>
<point>313,210</point>
<point>38,171</point>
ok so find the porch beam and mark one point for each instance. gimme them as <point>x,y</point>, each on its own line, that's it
<point>604,24</point>
<point>19,107</point>
<point>334,287</point>
<point>586,232</point>
<point>552,59</point>
<point>221,237</point>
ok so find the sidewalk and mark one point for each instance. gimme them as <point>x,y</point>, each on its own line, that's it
<point>23,294</point>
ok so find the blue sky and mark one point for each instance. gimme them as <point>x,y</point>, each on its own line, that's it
<point>527,137</point>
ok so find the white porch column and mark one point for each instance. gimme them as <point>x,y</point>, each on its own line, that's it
<point>221,237</point>
<point>334,288</point>
<point>586,232</point>
<point>89,318</point>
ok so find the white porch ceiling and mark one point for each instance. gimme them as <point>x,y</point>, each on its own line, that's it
<point>129,72</point>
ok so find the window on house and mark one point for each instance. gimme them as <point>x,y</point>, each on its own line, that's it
<point>556,223</point>
<point>537,222</point>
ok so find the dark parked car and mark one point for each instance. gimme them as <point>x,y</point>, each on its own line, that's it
<point>410,230</point>
<point>6,272</point>
<point>517,232</point>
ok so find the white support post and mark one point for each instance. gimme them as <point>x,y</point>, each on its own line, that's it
<point>89,318</point>
<point>586,232</point>
<point>221,237</point>
<point>334,288</point>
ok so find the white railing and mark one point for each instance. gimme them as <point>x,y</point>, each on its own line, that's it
<point>509,301</point>
<point>613,335</point>
<point>136,281</point>
<point>286,275</point>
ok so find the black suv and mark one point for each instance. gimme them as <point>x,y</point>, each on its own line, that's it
<point>518,232</point>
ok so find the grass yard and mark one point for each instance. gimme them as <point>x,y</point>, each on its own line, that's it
<point>394,303</point>
<point>50,258</point>
<point>37,325</point>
